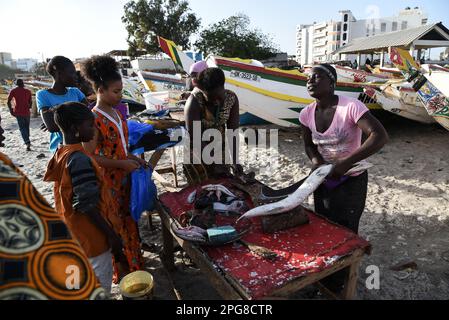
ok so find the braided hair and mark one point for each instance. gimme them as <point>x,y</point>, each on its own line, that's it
<point>71,114</point>
<point>100,71</point>
<point>58,63</point>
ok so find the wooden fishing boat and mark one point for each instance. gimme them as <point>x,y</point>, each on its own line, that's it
<point>162,82</point>
<point>401,100</point>
<point>346,74</point>
<point>432,86</point>
<point>271,94</point>
<point>275,95</point>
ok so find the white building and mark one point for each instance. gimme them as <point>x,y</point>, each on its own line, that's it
<point>315,42</point>
<point>444,55</point>
<point>26,64</point>
<point>6,58</point>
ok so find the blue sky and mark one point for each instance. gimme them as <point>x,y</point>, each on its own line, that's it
<point>79,28</point>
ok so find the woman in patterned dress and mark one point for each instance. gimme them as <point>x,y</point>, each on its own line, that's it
<point>110,146</point>
<point>212,107</point>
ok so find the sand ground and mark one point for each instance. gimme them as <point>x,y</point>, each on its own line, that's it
<point>406,217</point>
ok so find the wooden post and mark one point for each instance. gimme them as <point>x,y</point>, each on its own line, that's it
<point>173,163</point>
<point>412,50</point>
<point>168,258</point>
<point>351,281</point>
<point>418,55</point>
<point>359,58</point>
<point>34,113</point>
<point>382,58</point>
<point>155,157</point>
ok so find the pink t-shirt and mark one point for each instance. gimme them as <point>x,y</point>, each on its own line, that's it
<point>343,136</point>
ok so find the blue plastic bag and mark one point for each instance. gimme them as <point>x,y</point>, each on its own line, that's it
<point>143,192</point>
<point>137,130</point>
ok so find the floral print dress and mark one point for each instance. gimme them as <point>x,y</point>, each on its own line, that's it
<point>112,144</point>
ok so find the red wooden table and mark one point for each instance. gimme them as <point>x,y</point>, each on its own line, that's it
<point>306,254</point>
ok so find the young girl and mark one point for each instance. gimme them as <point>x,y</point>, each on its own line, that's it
<point>81,196</point>
<point>110,146</point>
<point>63,90</point>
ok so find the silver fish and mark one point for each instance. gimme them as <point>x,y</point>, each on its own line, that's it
<point>295,199</point>
<point>302,193</point>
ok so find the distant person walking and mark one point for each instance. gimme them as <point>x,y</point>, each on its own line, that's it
<point>21,110</point>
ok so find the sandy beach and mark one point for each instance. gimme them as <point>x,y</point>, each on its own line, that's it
<point>406,217</point>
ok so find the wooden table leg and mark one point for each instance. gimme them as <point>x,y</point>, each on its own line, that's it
<point>155,157</point>
<point>168,258</point>
<point>351,281</point>
<point>173,163</point>
<point>150,221</point>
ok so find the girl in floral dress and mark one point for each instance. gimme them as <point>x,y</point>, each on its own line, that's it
<point>110,146</point>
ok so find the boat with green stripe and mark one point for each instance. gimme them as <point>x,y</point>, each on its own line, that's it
<point>275,95</point>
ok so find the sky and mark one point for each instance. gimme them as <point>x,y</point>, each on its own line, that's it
<point>80,28</point>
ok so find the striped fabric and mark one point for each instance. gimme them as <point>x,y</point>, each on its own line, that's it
<point>175,53</point>
<point>86,192</point>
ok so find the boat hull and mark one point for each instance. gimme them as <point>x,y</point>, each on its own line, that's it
<point>162,82</point>
<point>401,104</point>
<point>433,87</point>
<point>351,75</point>
<point>273,95</point>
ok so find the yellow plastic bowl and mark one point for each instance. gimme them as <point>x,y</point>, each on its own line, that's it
<point>137,286</point>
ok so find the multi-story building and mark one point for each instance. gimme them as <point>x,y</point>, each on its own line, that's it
<point>26,64</point>
<point>5,58</point>
<point>316,42</point>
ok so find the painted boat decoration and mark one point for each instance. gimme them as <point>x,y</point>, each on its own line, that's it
<point>346,74</point>
<point>432,86</point>
<point>393,73</point>
<point>133,91</point>
<point>434,67</point>
<point>162,82</point>
<point>178,56</point>
<point>402,101</point>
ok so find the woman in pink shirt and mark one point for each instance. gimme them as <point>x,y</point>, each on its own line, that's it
<point>332,130</point>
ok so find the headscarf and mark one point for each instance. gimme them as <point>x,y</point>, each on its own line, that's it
<point>198,67</point>
<point>327,70</point>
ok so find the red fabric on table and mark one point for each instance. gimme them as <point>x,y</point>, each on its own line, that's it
<point>301,251</point>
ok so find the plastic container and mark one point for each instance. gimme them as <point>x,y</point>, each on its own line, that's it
<point>137,286</point>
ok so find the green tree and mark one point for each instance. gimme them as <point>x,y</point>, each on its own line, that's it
<point>7,72</point>
<point>40,69</point>
<point>146,19</point>
<point>232,37</point>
